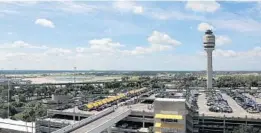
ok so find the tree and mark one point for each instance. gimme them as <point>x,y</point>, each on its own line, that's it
<point>112,85</point>
<point>29,92</point>
<point>4,94</point>
<point>40,110</point>
<point>238,80</point>
<point>22,98</point>
<point>38,91</point>
<point>5,107</point>
<point>50,90</point>
<point>3,113</point>
<point>32,111</point>
<point>44,91</point>
<point>88,87</point>
<point>125,78</point>
<point>2,88</point>
<point>58,91</point>
<point>17,104</point>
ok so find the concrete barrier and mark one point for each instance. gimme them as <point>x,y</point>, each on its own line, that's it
<point>17,125</point>
<point>85,121</point>
<point>109,123</point>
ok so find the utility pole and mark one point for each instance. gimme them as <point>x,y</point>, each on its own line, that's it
<point>8,95</point>
<point>74,88</point>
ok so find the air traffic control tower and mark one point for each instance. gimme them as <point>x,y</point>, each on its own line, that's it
<point>209,46</point>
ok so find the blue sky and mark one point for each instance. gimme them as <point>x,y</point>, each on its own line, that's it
<point>128,35</point>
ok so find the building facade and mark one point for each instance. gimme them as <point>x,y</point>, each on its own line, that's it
<point>169,115</point>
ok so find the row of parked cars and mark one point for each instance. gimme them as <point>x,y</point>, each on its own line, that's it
<point>216,103</point>
<point>192,99</point>
<point>104,106</point>
<point>245,102</point>
<point>128,126</point>
<point>256,94</point>
<point>170,95</point>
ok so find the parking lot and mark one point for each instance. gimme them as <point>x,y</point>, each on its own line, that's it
<point>238,111</point>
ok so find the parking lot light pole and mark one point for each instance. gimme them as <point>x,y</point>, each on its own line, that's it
<point>143,119</point>
<point>74,68</point>
<point>8,83</point>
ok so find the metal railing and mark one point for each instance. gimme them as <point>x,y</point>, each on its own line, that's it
<point>101,127</point>
<point>85,121</point>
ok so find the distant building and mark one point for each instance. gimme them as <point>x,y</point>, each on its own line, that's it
<point>58,99</point>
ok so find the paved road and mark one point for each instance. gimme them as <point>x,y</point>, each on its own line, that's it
<point>104,122</point>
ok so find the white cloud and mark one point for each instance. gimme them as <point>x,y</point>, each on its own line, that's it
<point>205,26</point>
<point>22,44</point>
<point>75,7</point>
<point>128,6</point>
<point>8,12</point>
<point>162,38</point>
<point>58,58</point>
<point>255,52</point>
<point>58,51</point>
<point>19,2</point>
<point>170,14</point>
<point>222,20</point>
<point>238,24</point>
<point>234,60</point>
<point>138,9</point>
<point>225,53</point>
<point>222,40</point>
<point>80,50</point>
<point>45,23</point>
<point>158,42</point>
<point>146,50</point>
<point>104,44</point>
<point>15,54</point>
<point>203,6</point>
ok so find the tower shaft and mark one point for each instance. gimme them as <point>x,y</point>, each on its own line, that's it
<point>209,68</point>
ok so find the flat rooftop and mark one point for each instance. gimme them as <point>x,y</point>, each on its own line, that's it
<point>238,111</point>
<point>71,110</point>
<point>56,120</point>
<point>171,99</point>
<point>140,107</point>
<point>153,96</point>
